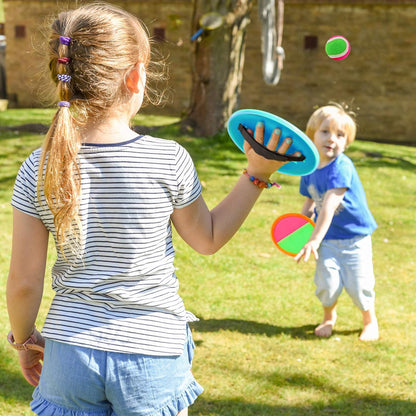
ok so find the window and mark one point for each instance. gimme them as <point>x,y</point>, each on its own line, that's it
<point>310,42</point>
<point>159,34</point>
<point>20,31</point>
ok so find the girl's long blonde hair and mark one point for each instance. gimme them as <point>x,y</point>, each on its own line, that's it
<point>105,44</point>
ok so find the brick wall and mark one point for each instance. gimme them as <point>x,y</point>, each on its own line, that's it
<point>376,79</point>
<point>25,60</point>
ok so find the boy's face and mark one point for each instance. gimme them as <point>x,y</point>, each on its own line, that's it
<point>330,140</point>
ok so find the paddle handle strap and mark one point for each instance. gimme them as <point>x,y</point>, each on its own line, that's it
<point>264,151</point>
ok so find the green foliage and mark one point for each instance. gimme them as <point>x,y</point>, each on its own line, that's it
<point>256,353</point>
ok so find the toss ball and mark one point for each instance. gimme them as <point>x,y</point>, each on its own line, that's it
<point>337,48</point>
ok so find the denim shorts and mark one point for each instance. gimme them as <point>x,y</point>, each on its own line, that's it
<point>346,264</point>
<point>79,381</point>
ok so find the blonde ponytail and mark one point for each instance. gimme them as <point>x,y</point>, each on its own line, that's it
<point>59,174</point>
<point>59,180</point>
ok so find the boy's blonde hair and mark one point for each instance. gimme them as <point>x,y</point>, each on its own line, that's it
<point>339,114</point>
<point>106,43</point>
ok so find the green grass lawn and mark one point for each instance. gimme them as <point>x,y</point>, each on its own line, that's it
<point>256,353</point>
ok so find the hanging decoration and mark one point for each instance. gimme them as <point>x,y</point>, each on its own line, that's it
<point>271,39</point>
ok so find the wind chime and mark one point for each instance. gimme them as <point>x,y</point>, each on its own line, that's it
<point>271,39</point>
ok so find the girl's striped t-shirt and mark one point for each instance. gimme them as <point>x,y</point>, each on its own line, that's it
<point>120,292</point>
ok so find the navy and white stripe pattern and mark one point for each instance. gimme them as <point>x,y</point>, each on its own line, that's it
<point>120,293</point>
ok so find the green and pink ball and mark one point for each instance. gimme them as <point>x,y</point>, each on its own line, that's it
<point>337,48</point>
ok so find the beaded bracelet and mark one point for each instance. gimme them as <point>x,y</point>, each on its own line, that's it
<point>259,183</point>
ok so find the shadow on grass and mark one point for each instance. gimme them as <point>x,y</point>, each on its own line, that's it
<point>346,405</point>
<point>252,327</point>
<point>221,151</point>
<point>338,400</point>
<point>378,160</point>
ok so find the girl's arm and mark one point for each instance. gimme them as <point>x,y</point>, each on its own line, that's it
<point>26,275</point>
<point>25,287</point>
<point>332,199</point>
<point>207,231</point>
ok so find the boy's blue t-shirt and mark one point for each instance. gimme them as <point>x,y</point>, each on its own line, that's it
<point>352,217</point>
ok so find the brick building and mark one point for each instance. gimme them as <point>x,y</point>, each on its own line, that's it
<point>376,79</point>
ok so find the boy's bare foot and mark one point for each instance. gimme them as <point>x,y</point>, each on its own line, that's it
<point>370,332</point>
<point>370,326</point>
<point>324,329</point>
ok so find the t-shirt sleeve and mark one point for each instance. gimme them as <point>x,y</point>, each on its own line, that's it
<point>24,196</point>
<point>189,187</point>
<point>342,176</point>
<point>303,188</point>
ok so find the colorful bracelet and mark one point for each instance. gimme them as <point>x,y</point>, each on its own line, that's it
<point>259,183</point>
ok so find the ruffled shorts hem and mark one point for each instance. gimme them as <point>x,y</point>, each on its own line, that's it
<point>43,407</point>
<point>184,400</point>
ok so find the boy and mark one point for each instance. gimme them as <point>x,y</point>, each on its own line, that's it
<point>341,240</point>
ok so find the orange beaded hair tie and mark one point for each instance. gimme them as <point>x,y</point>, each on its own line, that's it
<point>259,183</point>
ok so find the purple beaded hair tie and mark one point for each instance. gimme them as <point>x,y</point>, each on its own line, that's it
<point>64,104</point>
<point>65,40</point>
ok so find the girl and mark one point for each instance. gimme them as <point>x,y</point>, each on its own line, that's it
<point>116,336</point>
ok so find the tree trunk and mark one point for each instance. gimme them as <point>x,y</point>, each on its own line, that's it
<point>218,62</point>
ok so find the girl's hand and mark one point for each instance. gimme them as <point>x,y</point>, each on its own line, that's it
<point>259,166</point>
<point>30,359</point>
<point>30,363</point>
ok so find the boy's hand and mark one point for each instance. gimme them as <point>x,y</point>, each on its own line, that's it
<point>307,249</point>
<point>332,200</point>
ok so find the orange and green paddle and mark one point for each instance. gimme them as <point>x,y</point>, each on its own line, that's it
<point>290,232</point>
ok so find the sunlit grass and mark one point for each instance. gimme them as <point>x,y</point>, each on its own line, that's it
<point>256,353</point>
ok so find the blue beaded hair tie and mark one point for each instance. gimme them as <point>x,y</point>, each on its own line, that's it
<point>64,77</point>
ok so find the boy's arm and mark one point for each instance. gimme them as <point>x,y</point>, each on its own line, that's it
<point>308,207</point>
<point>332,199</point>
